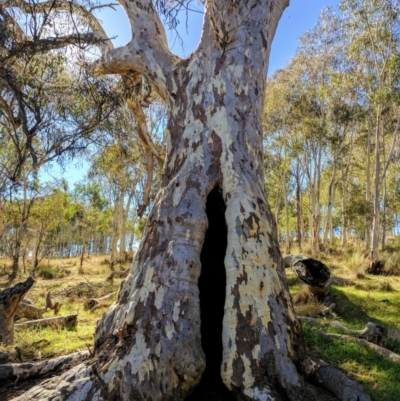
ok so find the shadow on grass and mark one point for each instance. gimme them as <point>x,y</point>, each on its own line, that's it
<point>352,310</point>
<point>379,375</point>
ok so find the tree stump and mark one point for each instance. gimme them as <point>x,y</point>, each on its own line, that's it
<point>9,301</point>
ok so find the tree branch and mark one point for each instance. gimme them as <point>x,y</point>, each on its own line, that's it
<point>71,7</point>
<point>147,53</point>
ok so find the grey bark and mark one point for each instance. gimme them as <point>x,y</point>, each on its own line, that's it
<point>24,371</point>
<point>69,321</point>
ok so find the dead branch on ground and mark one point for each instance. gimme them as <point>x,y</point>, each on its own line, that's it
<point>24,371</point>
<point>96,303</point>
<point>66,321</point>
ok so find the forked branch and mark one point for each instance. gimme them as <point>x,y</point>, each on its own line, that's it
<point>147,53</point>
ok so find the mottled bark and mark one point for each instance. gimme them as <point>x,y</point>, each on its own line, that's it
<point>148,344</point>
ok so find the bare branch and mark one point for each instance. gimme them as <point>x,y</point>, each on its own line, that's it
<point>44,45</point>
<point>67,6</point>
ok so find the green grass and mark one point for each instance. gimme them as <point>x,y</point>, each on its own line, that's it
<point>380,376</point>
<point>59,340</point>
<point>371,299</point>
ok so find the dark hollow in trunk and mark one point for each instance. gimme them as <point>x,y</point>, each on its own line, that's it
<point>212,284</point>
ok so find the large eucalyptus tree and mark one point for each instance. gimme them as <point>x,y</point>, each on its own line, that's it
<point>207,294</point>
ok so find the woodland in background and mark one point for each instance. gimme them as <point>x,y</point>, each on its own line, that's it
<point>331,126</point>
<point>331,143</point>
<point>54,111</point>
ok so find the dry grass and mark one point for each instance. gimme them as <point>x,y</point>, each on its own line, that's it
<point>67,286</point>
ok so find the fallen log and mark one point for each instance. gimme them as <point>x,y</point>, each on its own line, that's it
<point>30,311</point>
<point>72,290</point>
<point>66,321</point>
<point>309,320</point>
<point>371,332</point>
<point>23,371</point>
<point>95,303</point>
<point>9,300</point>
<point>327,310</point>
<point>310,271</point>
<point>377,348</point>
<point>118,273</point>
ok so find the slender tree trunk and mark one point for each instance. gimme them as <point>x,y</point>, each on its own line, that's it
<point>2,204</point>
<point>124,218</point>
<point>132,236</point>
<point>299,208</point>
<point>368,190</point>
<point>115,233</point>
<point>286,203</point>
<point>315,219</point>
<point>20,233</point>
<point>344,203</point>
<point>384,200</point>
<point>277,210</point>
<point>328,231</point>
<point>375,264</point>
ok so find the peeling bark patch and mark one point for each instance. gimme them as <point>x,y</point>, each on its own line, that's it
<point>251,227</point>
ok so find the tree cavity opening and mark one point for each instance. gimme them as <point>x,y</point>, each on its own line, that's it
<point>212,285</point>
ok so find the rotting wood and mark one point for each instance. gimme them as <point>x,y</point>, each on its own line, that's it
<point>69,321</point>
<point>118,273</point>
<point>313,273</point>
<point>95,302</point>
<point>371,332</point>
<point>327,310</point>
<point>71,290</point>
<point>9,300</point>
<point>309,320</point>
<point>24,371</point>
<point>30,311</point>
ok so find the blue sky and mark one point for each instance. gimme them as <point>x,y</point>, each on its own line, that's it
<point>300,16</point>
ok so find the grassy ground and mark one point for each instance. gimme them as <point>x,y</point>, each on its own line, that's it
<point>58,277</point>
<point>365,298</point>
